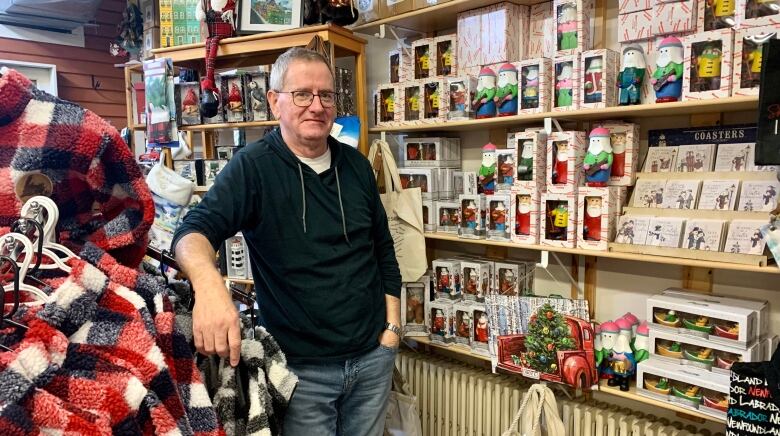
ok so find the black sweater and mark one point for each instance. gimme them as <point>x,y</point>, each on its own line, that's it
<point>321,251</point>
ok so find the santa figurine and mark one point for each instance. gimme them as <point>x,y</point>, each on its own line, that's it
<point>413,151</point>
<point>531,88</point>
<point>564,86</point>
<point>219,19</point>
<point>618,143</point>
<point>631,75</point>
<point>506,93</point>
<point>487,171</point>
<point>592,220</point>
<point>667,77</point>
<point>641,343</point>
<point>484,103</point>
<point>609,334</point>
<point>523,215</point>
<point>444,280</point>
<point>498,216</point>
<point>525,165</point>
<point>560,174</point>
<point>471,283</point>
<point>593,81</point>
<point>598,160</point>
<point>507,170</point>
<point>621,360</point>
<point>439,326</point>
<point>235,102</point>
<point>481,329</point>
<point>470,216</point>
<point>190,103</point>
<point>508,283</point>
<point>464,328</point>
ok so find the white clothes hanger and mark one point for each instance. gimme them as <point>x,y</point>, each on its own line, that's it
<point>35,208</point>
<point>10,242</point>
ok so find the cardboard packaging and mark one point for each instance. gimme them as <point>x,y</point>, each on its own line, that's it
<point>757,13</point>
<point>498,217</point>
<point>707,70</point>
<point>677,17</point>
<point>624,138</point>
<point>388,105</point>
<point>479,343</point>
<point>463,324</point>
<point>536,86</point>
<point>400,65</point>
<point>716,14</point>
<point>446,52</point>
<point>598,69</point>
<point>565,153</point>
<point>464,182</point>
<point>448,216</point>
<point>526,208</point>
<point>699,353</point>
<point>412,102</point>
<point>635,26</point>
<point>446,183</point>
<point>559,219</point>
<point>238,257</point>
<point>472,216</point>
<point>424,58</point>
<point>431,152</point>
<point>760,307</point>
<point>461,92</point>
<point>504,26</point>
<point>531,156</point>
<point>187,98</point>
<point>541,42</point>
<point>505,169</point>
<point>446,279</point>
<point>470,39</point>
<point>436,100</point>
<point>598,210</point>
<point>429,215</point>
<point>440,319</point>
<point>748,54</point>
<point>572,25</point>
<point>476,276</point>
<point>507,277</point>
<point>414,300</point>
<point>566,81</point>
<point>256,102</point>
<point>629,6</point>
<point>371,10</point>
<point>423,178</point>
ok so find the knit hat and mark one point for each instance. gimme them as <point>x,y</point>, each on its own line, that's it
<point>599,131</point>
<point>670,41</point>
<point>506,67</point>
<point>623,324</point>
<point>609,327</point>
<point>487,71</point>
<point>643,329</point>
<point>488,147</point>
<point>631,318</point>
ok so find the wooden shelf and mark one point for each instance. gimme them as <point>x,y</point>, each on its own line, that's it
<point>771,269</point>
<point>218,126</point>
<point>711,175</point>
<point>138,127</point>
<point>633,395</point>
<point>240,281</point>
<point>452,349</point>
<point>442,16</point>
<point>696,213</point>
<point>731,104</point>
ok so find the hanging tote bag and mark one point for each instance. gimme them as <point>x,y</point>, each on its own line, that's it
<point>538,414</point>
<point>754,398</point>
<point>404,214</point>
<point>403,416</point>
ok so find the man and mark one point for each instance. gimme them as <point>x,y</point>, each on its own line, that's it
<point>326,276</point>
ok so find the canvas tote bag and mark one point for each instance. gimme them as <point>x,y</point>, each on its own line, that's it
<point>403,417</point>
<point>754,398</point>
<point>538,414</point>
<point>404,214</point>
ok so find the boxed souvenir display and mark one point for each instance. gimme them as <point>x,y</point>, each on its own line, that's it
<point>256,88</point>
<point>504,26</point>
<point>665,232</point>
<point>472,216</point>
<point>559,220</point>
<point>758,195</point>
<point>447,215</point>
<point>718,195</point>
<point>159,94</point>
<point>703,234</point>
<point>628,6</point>
<point>187,98</point>
<point>598,209</point>
<point>506,277</point>
<point>599,74</point>
<point>238,257</point>
<point>624,139</point>
<point>464,182</point>
<point>401,65</point>
<point>677,17</point>
<point>414,299</point>
<point>370,10</point>
<point>388,105</point>
<point>565,153</point>
<point>507,88</point>
<point>479,342</point>
<point>735,157</point>
<point>660,160</point>
<point>505,169</point>
<point>424,51</point>
<point>464,324</point>
<point>699,353</point>
<point>567,83</point>
<point>429,215</point>
<point>440,316</point>
<point>535,85</point>
<point>423,178</point>
<point>498,217</point>
<point>649,193</point>
<point>709,72</point>
<point>760,307</point>
<point>476,276</point>
<point>470,39</point>
<point>703,391</point>
<point>744,236</point>
<point>717,319</point>
<point>233,94</point>
<point>446,55</point>
<point>525,206</point>
<point>436,100</point>
<point>207,170</point>
<point>531,152</point>
<point>681,194</point>
<point>632,229</point>
<point>756,13</point>
<point>431,152</point>
<point>635,26</point>
<point>446,280</point>
<point>446,183</point>
<point>186,169</point>
<point>225,152</point>
<point>716,14</point>
<point>461,91</point>
<point>412,102</point>
<point>695,158</point>
<point>541,42</point>
<point>572,24</point>
<point>486,178</point>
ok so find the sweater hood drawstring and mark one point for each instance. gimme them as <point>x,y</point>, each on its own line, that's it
<point>341,203</point>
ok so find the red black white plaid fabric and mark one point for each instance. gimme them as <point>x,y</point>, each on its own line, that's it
<point>95,181</point>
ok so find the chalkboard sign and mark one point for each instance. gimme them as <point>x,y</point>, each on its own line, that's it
<point>754,398</point>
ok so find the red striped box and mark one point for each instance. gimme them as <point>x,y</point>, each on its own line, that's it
<point>541,42</point>
<point>503,27</point>
<point>678,17</point>
<point>748,46</point>
<point>629,6</point>
<point>566,22</point>
<point>550,216</point>
<point>635,26</point>
<point>525,205</point>
<point>560,82</point>
<point>470,39</point>
<point>696,64</point>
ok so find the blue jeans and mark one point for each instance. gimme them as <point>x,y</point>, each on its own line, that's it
<point>347,398</point>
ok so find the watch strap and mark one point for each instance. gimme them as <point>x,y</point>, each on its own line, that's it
<point>394,328</point>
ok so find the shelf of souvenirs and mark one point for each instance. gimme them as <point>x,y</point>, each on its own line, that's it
<point>731,104</point>
<point>217,126</point>
<point>651,258</point>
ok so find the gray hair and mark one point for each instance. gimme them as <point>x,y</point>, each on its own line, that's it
<point>279,69</point>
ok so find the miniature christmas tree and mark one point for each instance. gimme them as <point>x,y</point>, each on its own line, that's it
<point>548,333</point>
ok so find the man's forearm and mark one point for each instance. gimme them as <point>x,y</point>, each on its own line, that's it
<point>393,310</point>
<point>195,256</point>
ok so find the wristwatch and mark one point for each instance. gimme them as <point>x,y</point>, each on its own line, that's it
<point>394,328</point>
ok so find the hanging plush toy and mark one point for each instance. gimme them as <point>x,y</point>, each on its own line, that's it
<point>219,16</point>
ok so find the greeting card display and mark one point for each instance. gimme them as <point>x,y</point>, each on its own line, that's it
<point>464,324</point>
<point>526,205</point>
<point>423,178</point>
<point>649,193</point>
<point>748,55</point>
<point>758,195</point>
<point>599,73</point>
<point>665,232</point>
<point>709,72</point>
<point>535,85</point>
<point>703,234</point>
<point>572,25</point>
<point>598,209</point>
<point>681,194</point>
<point>718,195</point>
<point>412,98</point>
<point>559,222</point>
<point>660,160</point>
<point>476,276</point>
<point>461,92</point>
<point>624,139</point>
<point>256,101</point>
<point>735,157</point>
<point>498,217</point>
<point>695,158</point>
<point>531,149</point>
<point>472,216</point>
<point>744,236</point>
<point>567,83</point>
<point>414,299</point>
<point>565,153</point>
<point>632,229</point>
<point>447,213</point>
<point>505,169</point>
<point>388,105</point>
<point>440,318</point>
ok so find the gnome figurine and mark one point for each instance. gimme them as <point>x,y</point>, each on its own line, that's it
<point>531,87</point>
<point>487,171</point>
<point>235,102</point>
<point>631,75</point>
<point>506,93</point>
<point>484,103</point>
<point>622,362</point>
<point>564,86</point>
<point>598,348</point>
<point>641,343</point>
<point>593,81</point>
<point>609,334</point>
<point>498,216</point>
<point>219,19</point>
<point>598,160</point>
<point>525,165</point>
<point>708,68</point>
<point>481,329</point>
<point>667,77</point>
<point>190,103</point>
<point>560,168</point>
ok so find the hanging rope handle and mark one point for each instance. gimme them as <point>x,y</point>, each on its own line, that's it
<point>535,390</point>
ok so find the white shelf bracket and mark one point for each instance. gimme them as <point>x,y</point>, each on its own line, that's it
<point>548,125</point>
<point>383,136</point>
<point>544,263</point>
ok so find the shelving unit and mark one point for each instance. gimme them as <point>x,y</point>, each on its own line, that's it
<point>219,126</point>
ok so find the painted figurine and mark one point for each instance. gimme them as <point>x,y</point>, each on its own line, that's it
<point>235,101</point>
<point>754,59</point>
<point>470,215</point>
<point>618,143</point>
<point>389,106</point>
<point>708,68</point>
<point>432,97</point>
<point>598,160</point>
<point>498,216</point>
<point>523,215</point>
<point>598,348</point>
<point>525,165</point>
<point>481,330</point>
<point>508,283</point>
<point>641,343</point>
<point>531,87</point>
<point>458,99</point>
<point>219,18</point>
<point>593,81</point>
<point>412,103</point>
<point>631,75</point>
<point>622,362</point>
<point>722,14</point>
<point>560,174</point>
<point>567,27</point>
<point>634,322</point>
<point>487,171</point>
<point>439,326</point>
<point>592,219</point>
<point>445,58</point>
<point>190,103</point>
<point>609,334</point>
<point>507,170</point>
<point>444,281</point>
<point>667,77</point>
<point>464,328</point>
<point>506,93</point>
<point>258,98</point>
<point>560,221</point>
<point>484,104</point>
<point>471,282</point>
<point>564,86</point>
<point>423,62</point>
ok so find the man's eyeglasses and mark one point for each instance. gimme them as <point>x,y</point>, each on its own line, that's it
<point>306,98</point>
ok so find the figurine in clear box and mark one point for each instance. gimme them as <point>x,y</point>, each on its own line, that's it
<point>567,26</point>
<point>487,171</point>
<point>423,61</point>
<point>561,165</point>
<point>470,215</point>
<point>592,83</point>
<point>631,75</point>
<point>498,216</point>
<point>464,328</point>
<point>189,104</point>
<point>481,329</point>
<point>235,100</point>
<point>563,85</point>
<point>598,159</point>
<point>559,220</point>
<point>618,143</point>
<point>439,324</point>
<point>668,74</point>
<point>455,290</point>
<point>483,289</point>
<point>722,13</point>
<point>443,284</point>
<point>523,215</point>
<point>507,170</point>
<point>413,151</point>
<point>432,97</point>
<point>592,219</point>
<point>412,103</point>
<point>708,68</point>
<point>506,93</point>
<point>445,58</point>
<point>484,105</point>
<point>525,165</point>
<point>257,95</point>
<point>508,284</point>
<point>458,98</point>
<point>471,281</point>
<point>530,87</point>
<point>389,106</point>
